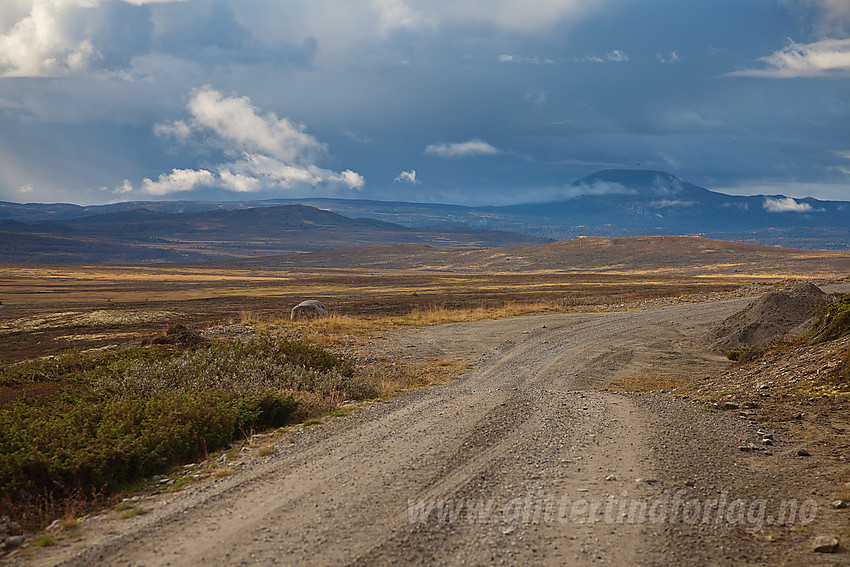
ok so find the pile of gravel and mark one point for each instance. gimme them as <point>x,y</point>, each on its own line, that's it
<point>776,315</point>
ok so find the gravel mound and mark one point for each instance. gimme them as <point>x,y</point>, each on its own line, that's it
<point>774,315</point>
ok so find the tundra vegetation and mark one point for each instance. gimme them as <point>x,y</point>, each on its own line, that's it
<point>81,427</point>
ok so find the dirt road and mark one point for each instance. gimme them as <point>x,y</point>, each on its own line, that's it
<point>526,459</point>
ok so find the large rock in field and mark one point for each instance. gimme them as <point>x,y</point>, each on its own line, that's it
<point>310,309</point>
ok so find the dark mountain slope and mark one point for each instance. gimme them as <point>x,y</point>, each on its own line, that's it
<point>146,236</point>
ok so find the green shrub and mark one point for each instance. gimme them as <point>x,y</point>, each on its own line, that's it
<point>121,415</point>
<point>66,446</point>
<point>834,323</point>
<point>746,354</point>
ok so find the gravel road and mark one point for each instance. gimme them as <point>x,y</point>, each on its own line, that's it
<point>525,459</point>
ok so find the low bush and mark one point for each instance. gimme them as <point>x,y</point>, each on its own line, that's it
<point>111,418</point>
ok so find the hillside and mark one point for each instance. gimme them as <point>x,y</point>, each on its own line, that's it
<point>141,235</point>
<point>671,255</point>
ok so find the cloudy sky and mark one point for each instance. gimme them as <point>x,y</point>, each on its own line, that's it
<point>462,101</point>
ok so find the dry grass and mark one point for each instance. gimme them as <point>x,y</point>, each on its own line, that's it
<point>50,308</point>
<point>266,450</point>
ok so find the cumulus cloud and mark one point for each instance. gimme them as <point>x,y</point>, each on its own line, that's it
<point>124,188</point>
<point>785,205</point>
<point>617,56</point>
<point>57,38</point>
<point>825,58</point>
<point>178,180</point>
<point>238,182</point>
<point>407,177</point>
<point>236,124</point>
<point>50,41</point>
<point>474,147</point>
<point>262,150</point>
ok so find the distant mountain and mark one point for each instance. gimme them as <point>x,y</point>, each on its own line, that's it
<point>613,203</point>
<point>638,203</point>
<point>662,202</point>
<point>141,235</point>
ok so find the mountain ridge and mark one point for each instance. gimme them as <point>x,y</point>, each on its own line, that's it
<point>614,203</point>
<point>144,236</point>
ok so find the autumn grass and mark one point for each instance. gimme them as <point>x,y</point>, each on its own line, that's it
<point>266,450</point>
<point>339,329</point>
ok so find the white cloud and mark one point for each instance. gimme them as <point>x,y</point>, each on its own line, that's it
<point>598,188</point>
<point>474,147</point>
<point>177,181</point>
<point>407,177</point>
<point>616,56</point>
<point>237,124</point>
<point>350,178</point>
<point>270,172</point>
<point>505,58</point>
<point>238,182</point>
<point>825,58</point>
<point>50,41</point>
<point>124,188</point>
<point>178,130</point>
<point>785,205</point>
<point>668,59</point>
<point>265,151</point>
<point>23,190</point>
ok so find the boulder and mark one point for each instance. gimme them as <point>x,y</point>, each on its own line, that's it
<point>825,544</point>
<point>310,309</point>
